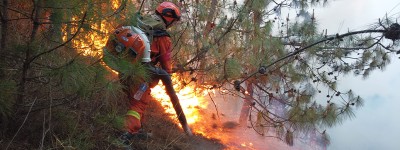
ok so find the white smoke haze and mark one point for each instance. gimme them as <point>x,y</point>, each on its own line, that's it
<point>229,107</point>
<point>376,123</point>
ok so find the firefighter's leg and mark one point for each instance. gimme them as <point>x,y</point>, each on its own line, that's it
<point>132,126</point>
<point>133,121</point>
<point>134,116</point>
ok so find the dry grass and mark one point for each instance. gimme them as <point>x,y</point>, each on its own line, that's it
<point>166,135</point>
<point>93,125</point>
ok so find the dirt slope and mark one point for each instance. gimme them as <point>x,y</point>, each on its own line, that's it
<point>167,135</point>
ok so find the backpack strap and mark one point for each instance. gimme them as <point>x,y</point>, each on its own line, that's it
<point>153,25</point>
<point>160,33</point>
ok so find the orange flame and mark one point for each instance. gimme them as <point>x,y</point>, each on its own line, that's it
<point>194,104</point>
<point>191,101</point>
<point>201,120</point>
<point>192,97</point>
<point>98,39</point>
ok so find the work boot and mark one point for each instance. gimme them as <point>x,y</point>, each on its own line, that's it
<point>126,137</point>
<point>123,141</point>
<point>142,135</point>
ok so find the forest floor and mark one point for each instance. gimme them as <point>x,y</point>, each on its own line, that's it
<point>75,129</point>
<point>80,128</point>
<point>167,135</point>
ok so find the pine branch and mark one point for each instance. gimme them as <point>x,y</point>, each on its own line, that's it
<point>205,49</point>
<point>17,11</point>
<point>324,40</point>
<point>215,105</point>
<point>19,129</point>
<point>358,48</point>
<point>66,42</point>
<point>314,44</point>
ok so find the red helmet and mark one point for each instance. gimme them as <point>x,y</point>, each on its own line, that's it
<point>169,12</point>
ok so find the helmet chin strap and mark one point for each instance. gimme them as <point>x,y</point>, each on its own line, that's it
<point>141,5</point>
<point>168,25</point>
<point>165,21</point>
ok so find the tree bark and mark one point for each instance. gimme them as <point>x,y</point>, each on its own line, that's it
<point>247,104</point>
<point>4,27</point>
<point>27,60</point>
<point>210,19</point>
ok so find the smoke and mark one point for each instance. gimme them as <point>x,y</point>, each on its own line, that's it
<point>224,109</point>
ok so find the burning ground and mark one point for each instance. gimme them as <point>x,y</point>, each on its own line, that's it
<point>212,117</point>
<point>167,134</point>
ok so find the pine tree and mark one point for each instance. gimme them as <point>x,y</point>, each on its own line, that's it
<point>231,43</point>
<point>52,71</point>
<point>50,57</point>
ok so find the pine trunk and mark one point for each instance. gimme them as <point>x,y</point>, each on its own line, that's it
<point>4,26</point>
<point>27,60</point>
<point>247,104</point>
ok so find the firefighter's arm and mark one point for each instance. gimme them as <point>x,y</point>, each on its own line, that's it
<point>165,49</point>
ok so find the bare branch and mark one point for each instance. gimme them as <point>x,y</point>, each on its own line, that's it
<point>314,44</point>
<point>19,129</point>
<point>17,11</point>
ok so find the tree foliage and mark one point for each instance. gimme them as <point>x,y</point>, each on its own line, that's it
<point>51,70</point>
<point>286,59</point>
<point>51,52</point>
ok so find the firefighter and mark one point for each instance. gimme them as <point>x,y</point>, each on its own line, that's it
<point>166,15</point>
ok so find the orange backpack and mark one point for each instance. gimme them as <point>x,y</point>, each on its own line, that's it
<point>129,43</point>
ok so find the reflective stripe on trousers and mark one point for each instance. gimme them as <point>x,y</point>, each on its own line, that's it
<point>133,114</point>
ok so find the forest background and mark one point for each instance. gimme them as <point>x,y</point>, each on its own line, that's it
<point>55,92</point>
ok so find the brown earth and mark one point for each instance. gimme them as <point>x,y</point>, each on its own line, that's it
<point>167,135</point>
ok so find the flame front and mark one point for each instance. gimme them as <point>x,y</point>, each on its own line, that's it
<point>190,100</point>
<point>191,97</point>
<point>200,118</point>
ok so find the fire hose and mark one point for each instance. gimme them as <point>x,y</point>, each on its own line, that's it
<point>161,74</point>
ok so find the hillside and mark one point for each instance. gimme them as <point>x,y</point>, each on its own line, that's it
<point>167,135</point>
<point>80,132</point>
